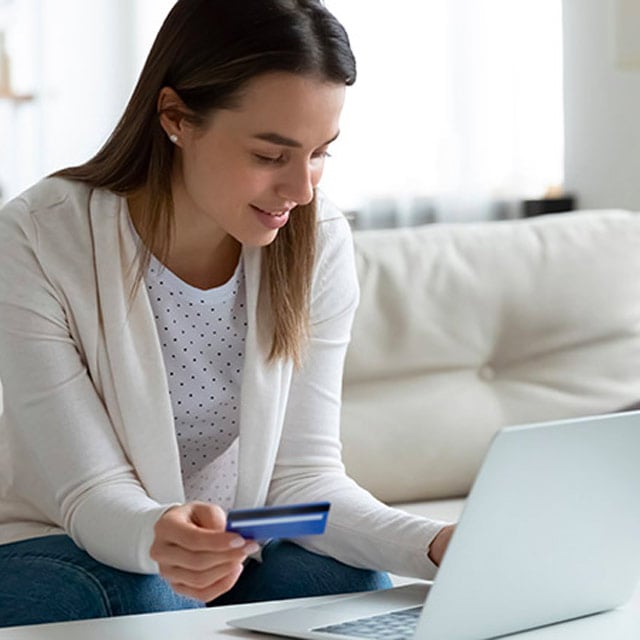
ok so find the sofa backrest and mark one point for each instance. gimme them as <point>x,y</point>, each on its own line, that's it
<point>465,328</point>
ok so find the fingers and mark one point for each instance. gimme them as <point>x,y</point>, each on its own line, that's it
<point>173,555</point>
<point>200,579</point>
<point>212,591</point>
<point>202,575</point>
<point>197,527</point>
<point>194,552</point>
<point>208,516</point>
<point>192,560</point>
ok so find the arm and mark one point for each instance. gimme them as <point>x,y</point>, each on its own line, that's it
<point>67,461</point>
<point>361,530</point>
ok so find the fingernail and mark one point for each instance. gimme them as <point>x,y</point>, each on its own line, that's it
<point>252,547</point>
<point>236,543</point>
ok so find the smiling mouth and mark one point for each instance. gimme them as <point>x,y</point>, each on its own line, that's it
<point>273,214</point>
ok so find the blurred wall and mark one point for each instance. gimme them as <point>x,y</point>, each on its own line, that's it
<point>602,102</point>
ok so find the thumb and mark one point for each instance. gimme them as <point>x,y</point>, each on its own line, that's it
<point>208,516</point>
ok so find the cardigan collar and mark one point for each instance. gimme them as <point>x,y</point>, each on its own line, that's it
<point>136,391</point>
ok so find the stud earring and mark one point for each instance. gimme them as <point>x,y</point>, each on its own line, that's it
<point>174,138</point>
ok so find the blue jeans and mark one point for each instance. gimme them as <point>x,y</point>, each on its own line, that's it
<point>50,579</point>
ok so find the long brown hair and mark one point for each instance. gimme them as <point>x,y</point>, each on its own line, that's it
<point>206,51</point>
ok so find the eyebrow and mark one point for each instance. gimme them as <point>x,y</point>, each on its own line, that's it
<point>283,141</point>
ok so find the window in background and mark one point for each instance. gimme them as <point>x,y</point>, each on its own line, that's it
<point>19,134</point>
<point>80,60</point>
<point>457,109</point>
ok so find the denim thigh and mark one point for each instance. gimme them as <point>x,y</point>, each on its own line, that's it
<point>289,571</point>
<point>50,579</point>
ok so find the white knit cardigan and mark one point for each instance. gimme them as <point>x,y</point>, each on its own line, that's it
<point>87,441</point>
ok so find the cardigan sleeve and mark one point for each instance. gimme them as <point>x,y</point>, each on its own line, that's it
<point>67,462</point>
<point>361,531</point>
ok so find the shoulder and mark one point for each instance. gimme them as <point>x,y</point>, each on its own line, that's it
<point>333,227</point>
<point>327,213</point>
<point>57,212</point>
<point>52,228</point>
<point>48,194</point>
<point>48,197</point>
<point>335,285</point>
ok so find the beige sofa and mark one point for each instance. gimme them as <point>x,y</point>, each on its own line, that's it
<point>465,328</point>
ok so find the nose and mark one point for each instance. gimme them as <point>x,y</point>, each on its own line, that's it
<point>298,183</point>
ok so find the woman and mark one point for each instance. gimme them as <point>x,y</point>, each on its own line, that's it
<point>174,316</point>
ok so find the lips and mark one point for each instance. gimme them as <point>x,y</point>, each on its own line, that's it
<point>275,213</point>
<point>271,219</point>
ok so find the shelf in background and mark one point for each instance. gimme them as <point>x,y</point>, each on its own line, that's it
<point>15,97</point>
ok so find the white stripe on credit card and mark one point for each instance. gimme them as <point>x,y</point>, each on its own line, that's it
<point>277,520</point>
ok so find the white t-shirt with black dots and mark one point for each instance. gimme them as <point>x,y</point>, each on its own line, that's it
<point>202,334</point>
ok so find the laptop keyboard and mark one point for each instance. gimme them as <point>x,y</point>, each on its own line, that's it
<point>396,625</point>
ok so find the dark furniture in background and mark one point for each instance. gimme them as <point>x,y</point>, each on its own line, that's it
<point>547,205</point>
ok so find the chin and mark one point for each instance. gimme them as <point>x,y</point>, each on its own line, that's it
<point>257,242</point>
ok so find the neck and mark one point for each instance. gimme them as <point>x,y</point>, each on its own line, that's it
<point>207,266</point>
<point>201,253</point>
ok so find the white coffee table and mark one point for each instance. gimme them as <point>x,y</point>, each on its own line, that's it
<point>205,624</point>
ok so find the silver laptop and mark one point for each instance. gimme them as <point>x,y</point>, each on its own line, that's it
<point>550,532</point>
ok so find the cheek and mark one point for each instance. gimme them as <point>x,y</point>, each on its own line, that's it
<point>196,170</point>
<point>207,177</point>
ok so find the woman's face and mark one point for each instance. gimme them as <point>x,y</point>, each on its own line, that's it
<point>245,173</point>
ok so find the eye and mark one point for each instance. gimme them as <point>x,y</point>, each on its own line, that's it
<point>321,155</point>
<point>269,159</point>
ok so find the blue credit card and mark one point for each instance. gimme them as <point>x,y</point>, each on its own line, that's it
<point>286,521</point>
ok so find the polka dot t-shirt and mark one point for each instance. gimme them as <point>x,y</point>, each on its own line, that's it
<point>202,334</point>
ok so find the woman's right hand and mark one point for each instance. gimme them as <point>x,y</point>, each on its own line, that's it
<point>194,552</point>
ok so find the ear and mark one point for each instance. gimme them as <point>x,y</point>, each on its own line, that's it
<point>171,112</point>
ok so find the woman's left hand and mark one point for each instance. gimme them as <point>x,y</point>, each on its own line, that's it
<point>440,543</point>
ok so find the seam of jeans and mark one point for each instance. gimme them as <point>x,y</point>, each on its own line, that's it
<point>70,565</point>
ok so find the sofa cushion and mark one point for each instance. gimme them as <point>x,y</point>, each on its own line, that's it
<point>465,328</point>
